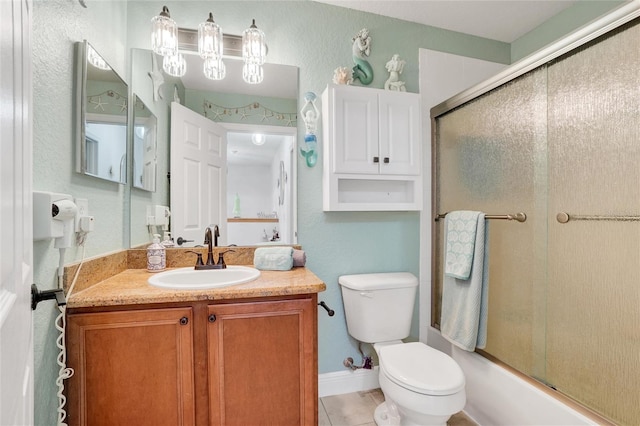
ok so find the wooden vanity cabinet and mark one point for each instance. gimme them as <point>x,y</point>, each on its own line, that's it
<point>239,363</point>
<point>131,367</point>
<point>263,357</point>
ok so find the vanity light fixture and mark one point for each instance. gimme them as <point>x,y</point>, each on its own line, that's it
<point>164,34</point>
<point>167,38</point>
<point>258,139</point>
<point>96,60</point>
<point>254,52</point>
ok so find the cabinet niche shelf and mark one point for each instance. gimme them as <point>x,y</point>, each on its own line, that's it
<point>251,220</point>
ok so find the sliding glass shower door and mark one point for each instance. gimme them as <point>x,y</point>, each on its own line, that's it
<point>561,144</point>
<point>593,290</point>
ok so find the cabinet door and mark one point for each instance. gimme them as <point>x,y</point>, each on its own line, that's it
<point>263,363</point>
<point>399,133</point>
<point>355,131</point>
<point>131,368</point>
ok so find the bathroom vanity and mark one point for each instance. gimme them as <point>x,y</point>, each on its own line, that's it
<point>244,355</point>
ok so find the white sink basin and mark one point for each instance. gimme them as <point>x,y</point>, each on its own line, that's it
<point>190,279</point>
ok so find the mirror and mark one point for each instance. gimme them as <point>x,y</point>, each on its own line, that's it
<point>144,146</point>
<point>260,184</point>
<point>269,108</point>
<point>101,146</point>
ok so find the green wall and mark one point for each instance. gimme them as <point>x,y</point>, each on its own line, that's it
<point>312,36</point>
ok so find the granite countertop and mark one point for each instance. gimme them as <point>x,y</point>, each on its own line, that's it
<point>130,287</point>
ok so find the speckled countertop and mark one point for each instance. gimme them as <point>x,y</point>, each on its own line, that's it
<point>115,281</point>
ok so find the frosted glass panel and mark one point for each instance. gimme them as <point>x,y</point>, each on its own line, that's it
<point>593,334</point>
<point>492,158</point>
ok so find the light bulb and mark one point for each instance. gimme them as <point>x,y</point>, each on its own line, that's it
<point>214,69</point>
<point>210,42</point>
<point>258,139</point>
<point>164,34</point>
<point>254,48</point>
<point>252,73</point>
<point>175,65</point>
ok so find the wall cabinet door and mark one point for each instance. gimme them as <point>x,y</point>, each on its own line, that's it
<point>399,129</point>
<point>262,363</point>
<point>355,132</point>
<point>131,368</point>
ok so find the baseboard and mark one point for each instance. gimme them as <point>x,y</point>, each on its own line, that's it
<point>339,382</point>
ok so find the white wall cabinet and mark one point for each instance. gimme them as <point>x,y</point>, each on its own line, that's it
<point>372,149</point>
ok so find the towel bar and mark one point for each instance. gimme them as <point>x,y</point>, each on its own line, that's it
<point>520,217</point>
<point>564,217</point>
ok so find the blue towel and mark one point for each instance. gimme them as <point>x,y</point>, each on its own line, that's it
<point>465,301</point>
<point>273,258</point>
<point>460,241</point>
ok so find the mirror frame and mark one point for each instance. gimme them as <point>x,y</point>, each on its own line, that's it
<point>82,49</point>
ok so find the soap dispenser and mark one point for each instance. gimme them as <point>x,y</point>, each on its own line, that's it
<point>156,255</point>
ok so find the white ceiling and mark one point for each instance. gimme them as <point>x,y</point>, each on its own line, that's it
<point>503,20</point>
<point>241,151</point>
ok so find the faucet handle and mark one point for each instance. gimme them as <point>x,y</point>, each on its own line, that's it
<point>199,260</point>
<point>221,258</point>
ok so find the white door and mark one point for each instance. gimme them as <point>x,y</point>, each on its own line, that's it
<point>399,133</point>
<point>198,176</point>
<point>16,245</point>
<point>355,138</point>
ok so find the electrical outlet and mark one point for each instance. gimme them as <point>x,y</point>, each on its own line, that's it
<point>83,210</point>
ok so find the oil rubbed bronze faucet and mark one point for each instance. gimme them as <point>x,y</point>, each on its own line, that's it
<point>211,240</point>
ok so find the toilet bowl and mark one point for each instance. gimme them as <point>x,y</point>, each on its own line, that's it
<point>421,385</point>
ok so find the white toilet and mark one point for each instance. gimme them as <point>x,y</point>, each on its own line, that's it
<point>421,385</point>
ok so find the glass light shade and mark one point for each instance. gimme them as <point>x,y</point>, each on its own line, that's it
<point>252,73</point>
<point>175,65</point>
<point>214,68</point>
<point>164,34</point>
<point>96,60</point>
<point>258,139</point>
<point>209,39</point>
<point>254,48</point>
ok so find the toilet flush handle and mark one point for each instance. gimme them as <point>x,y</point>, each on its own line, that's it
<point>368,294</point>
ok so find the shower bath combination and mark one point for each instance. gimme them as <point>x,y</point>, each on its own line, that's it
<point>559,143</point>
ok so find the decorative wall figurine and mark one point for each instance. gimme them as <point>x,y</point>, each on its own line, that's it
<point>395,67</point>
<point>360,50</point>
<point>310,115</point>
<point>342,75</point>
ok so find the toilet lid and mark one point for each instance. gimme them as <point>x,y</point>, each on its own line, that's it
<point>422,369</point>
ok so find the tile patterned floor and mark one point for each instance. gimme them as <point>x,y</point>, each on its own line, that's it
<point>356,409</point>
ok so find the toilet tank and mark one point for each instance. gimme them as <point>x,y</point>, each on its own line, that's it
<point>378,307</point>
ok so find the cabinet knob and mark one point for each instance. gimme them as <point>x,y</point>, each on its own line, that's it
<point>376,159</point>
<point>184,320</point>
<point>212,318</point>
<point>386,160</point>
